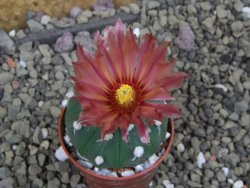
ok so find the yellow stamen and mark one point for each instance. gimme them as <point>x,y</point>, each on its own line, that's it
<point>125,95</point>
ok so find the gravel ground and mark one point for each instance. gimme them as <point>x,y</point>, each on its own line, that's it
<point>212,142</point>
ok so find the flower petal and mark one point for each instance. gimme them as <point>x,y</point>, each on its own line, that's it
<point>143,130</point>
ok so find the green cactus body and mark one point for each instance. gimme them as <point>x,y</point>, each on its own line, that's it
<point>115,152</point>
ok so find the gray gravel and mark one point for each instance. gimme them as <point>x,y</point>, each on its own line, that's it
<point>211,43</point>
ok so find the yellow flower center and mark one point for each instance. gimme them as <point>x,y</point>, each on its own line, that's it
<point>125,95</point>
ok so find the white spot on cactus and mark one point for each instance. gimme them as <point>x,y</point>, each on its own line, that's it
<point>64,102</point>
<point>158,123</point>
<point>225,170</point>
<point>127,173</point>
<point>67,140</point>
<point>167,135</point>
<point>60,154</point>
<point>81,157</point>
<point>70,94</point>
<point>139,168</point>
<point>200,159</point>
<point>130,127</point>
<point>138,151</point>
<point>152,159</point>
<point>108,137</point>
<point>77,126</point>
<point>136,31</point>
<point>99,160</point>
<point>86,164</point>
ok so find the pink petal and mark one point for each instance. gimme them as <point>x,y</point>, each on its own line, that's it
<point>143,130</point>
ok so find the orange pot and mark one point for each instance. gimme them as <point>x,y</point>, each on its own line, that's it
<point>138,180</point>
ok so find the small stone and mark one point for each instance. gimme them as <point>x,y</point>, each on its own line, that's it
<point>4,172</point>
<point>6,43</point>
<point>75,11</point>
<point>55,111</point>
<point>64,22</point>
<point>245,119</point>
<point>74,180</point>
<point>153,4</point>
<point>167,184</point>
<point>163,21</point>
<point>86,164</point>
<point>64,43</point>
<point>246,85</point>
<point>5,77</point>
<point>181,147</point>
<point>61,166</point>
<point>12,33</point>
<point>35,169</point>
<point>82,19</point>
<point>237,26</point>
<point>33,149</point>
<point>37,183</point>
<point>241,106</point>
<point>152,159</point>
<point>221,12</point>
<point>45,19</point>
<point>34,26</point>
<point>134,8</point>
<point>45,144</point>
<point>206,6</point>
<point>209,24</point>
<point>37,136</point>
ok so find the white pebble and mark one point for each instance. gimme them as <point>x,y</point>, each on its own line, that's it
<point>139,168</point>
<point>127,173</point>
<point>77,126</point>
<point>86,164</point>
<point>70,94</point>
<point>64,102</point>
<point>225,170</point>
<point>230,181</point>
<point>136,31</point>
<point>12,33</point>
<point>200,159</point>
<point>152,159</point>
<point>60,154</point>
<point>167,135</point>
<point>113,174</point>
<point>67,140</point>
<point>108,137</point>
<point>138,151</point>
<point>99,160</point>
<point>40,103</point>
<point>14,147</point>
<point>44,133</point>
<point>238,184</point>
<point>45,19</point>
<point>167,184</point>
<point>158,123</point>
<point>23,63</point>
<point>220,86</point>
<point>146,164</point>
<point>180,147</point>
<point>246,11</point>
<point>96,169</point>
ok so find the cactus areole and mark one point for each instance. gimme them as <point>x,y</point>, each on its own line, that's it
<point>127,81</point>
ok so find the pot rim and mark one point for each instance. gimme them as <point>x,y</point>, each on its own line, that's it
<point>89,172</point>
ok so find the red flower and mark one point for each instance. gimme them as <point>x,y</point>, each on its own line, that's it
<point>118,86</point>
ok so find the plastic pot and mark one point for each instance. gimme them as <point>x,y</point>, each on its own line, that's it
<point>138,180</point>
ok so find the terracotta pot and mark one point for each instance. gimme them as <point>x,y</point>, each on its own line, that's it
<point>139,180</point>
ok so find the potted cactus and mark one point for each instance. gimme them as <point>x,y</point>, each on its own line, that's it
<point>119,123</point>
